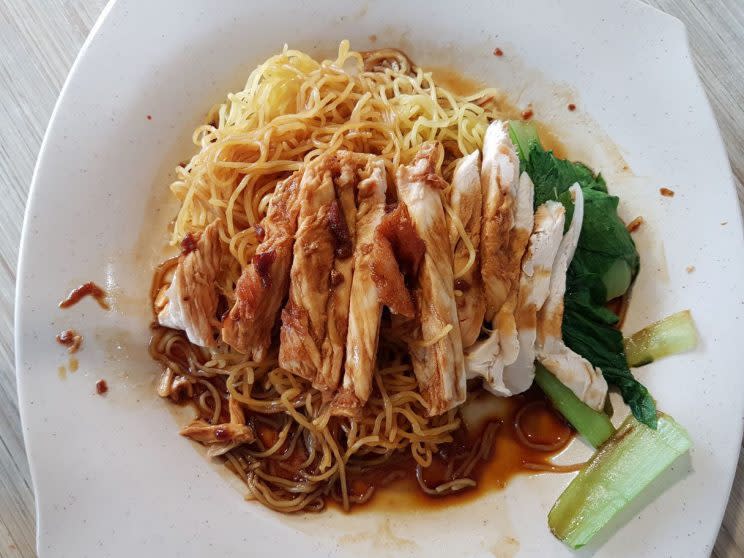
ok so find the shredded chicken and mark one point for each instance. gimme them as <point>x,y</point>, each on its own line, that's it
<point>262,287</point>
<point>499,180</point>
<point>533,290</point>
<point>465,201</point>
<point>397,253</point>
<point>190,302</point>
<point>573,370</point>
<point>437,357</point>
<point>315,319</point>
<point>365,308</point>
<point>487,358</point>
<point>221,438</point>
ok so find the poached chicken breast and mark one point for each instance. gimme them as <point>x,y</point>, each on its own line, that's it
<point>437,352</point>
<point>365,308</point>
<point>465,222</point>
<point>315,319</point>
<point>190,302</point>
<point>499,181</point>
<point>488,357</point>
<point>534,283</point>
<point>573,370</point>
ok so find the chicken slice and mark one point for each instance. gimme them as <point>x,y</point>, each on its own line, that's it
<point>315,319</point>
<point>573,370</point>
<point>397,253</point>
<point>365,308</point>
<point>437,355</point>
<point>191,299</point>
<point>262,287</point>
<point>487,358</point>
<point>534,284</point>
<point>221,438</point>
<point>505,320</point>
<point>499,182</point>
<point>465,222</point>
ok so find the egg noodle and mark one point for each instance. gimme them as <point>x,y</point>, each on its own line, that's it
<point>293,110</point>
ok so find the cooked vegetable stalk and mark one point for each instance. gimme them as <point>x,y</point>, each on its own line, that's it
<point>674,334</point>
<point>592,425</point>
<point>615,475</point>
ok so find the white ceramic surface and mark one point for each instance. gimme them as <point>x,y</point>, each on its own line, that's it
<point>112,477</point>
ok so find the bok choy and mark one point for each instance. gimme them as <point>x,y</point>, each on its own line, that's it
<point>616,474</point>
<point>674,334</point>
<point>593,425</point>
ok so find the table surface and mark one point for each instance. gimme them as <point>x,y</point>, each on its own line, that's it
<point>38,43</point>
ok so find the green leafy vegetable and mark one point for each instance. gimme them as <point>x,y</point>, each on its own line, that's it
<point>674,334</point>
<point>524,137</point>
<point>603,267</point>
<point>615,475</point>
<point>592,425</point>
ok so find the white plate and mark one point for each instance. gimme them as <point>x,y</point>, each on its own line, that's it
<point>111,475</point>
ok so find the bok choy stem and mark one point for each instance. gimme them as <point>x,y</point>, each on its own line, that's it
<point>674,334</point>
<point>593,425</point>
<point>616,474</point>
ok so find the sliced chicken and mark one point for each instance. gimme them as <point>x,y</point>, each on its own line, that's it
<point>487,357</point>
<point>484,360</point>
<point>549,330</point>
<point>221,438</point>
<point>499,181</point>
<point>505,320</point>
<point>465,223</point>
<point>437,354</point>
<point>315,319</point>
<point>397,253</point>
<point>534,284</point>
<point>574,371</point>
<point>190,302</point>
<point>262,287</point>
<point>365,308</point>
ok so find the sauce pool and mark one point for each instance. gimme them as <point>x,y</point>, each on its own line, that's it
<point>454,81</point>
<point>512,454</point>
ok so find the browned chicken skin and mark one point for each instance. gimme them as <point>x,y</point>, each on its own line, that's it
<point>315,319</point>
<point>262,288</point>
<point>397,253</point>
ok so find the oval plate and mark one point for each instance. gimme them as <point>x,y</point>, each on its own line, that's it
<point>111,475</point>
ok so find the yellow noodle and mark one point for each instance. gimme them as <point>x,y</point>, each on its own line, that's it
<point>465,239</point>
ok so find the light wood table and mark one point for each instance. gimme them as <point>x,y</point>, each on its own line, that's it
<point>38,43</point>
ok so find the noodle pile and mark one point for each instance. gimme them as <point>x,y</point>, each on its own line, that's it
<point>292,110</point>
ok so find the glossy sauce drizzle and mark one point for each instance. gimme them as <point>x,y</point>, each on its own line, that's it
<point>86,289</point>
